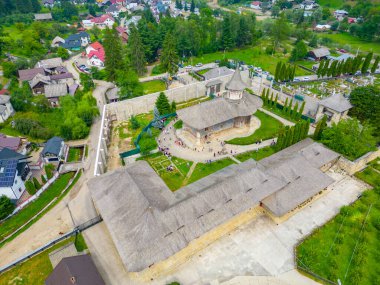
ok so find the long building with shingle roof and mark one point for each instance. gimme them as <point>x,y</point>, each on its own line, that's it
<point>149,223</point>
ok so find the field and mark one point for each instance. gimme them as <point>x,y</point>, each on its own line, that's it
<point>256,154</point>
<point>153,86</point>
<point>347,247</point>
<point>269,129</point>
<point>173,179</point>
<point>252,56</point>
<point>38,268</point>
<point>15,222</point>
<point>336,4</point>
<point>370,175</point>
<point>75,154</point>
<point>355,43</point>
<point>204,169</point>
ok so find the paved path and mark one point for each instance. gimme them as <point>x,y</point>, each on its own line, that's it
<point>167,140</point>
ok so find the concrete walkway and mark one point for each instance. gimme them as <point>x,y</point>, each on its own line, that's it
<point>210,151</point>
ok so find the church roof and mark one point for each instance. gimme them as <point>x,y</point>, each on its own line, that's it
<point>148,223</point>
<point>337,102</point>
<point>236,83</point>
<point>219,110</point>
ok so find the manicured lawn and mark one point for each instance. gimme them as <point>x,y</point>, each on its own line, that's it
<point>153,86</point>
<point>376,164</point>
<point>38,268</point>
<point>355,43</point>
<point>331,3</point>
<point>280,113</point>
<point>370,176</point>
<point>329,250</point>
<point>75,154</point>
<point>269,129</point>
<point>204,169</point>
<point>173,179</point>
<point>256,154</point>
<point>13,223</point>
<point>203,71</point>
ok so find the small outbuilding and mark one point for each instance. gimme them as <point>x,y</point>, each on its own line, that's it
<point>55,150</point>
<point>335,107</point>
<point>319,53</point>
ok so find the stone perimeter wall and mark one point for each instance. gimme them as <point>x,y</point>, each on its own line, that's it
<point>359,164</point>
<point>122,110</point>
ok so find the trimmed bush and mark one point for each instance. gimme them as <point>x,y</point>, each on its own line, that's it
<point>36,183</point>
<point>30,187</point>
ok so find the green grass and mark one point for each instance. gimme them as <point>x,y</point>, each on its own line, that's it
<point>75,154</point>
<point>203,71</point>
<point>370,176</point>
<point>38,268</point>
<point>204,169</point>
<point>153,86</point>
<point>355,42</point>
<point>178,125</point>
<point>16,221</point>
<point>173,179</point>
<point>268,129</point>
<point>280,113</point>
<point>376,164</point>
<point>328,250</point>
<point>256,154</point>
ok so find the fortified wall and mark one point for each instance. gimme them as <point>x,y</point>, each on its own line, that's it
<point>359,164</point>
<point>123,110</point>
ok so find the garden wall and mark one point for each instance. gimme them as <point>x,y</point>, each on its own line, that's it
<point>354,166</point>
<point>144,104</point>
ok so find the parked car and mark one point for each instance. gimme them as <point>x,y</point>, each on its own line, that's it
<point>188,67</point>
<point>296,80</point>
<point>358,73</point>
<point>82,66</point>
<point>199,64</point>
<point>180,65</point>
<point>306,78</point>
<point>217,61</point>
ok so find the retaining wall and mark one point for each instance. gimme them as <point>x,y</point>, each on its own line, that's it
<point>354,166</point>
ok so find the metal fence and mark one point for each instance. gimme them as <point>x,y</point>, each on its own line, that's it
<point>137,140</point>
<point>75,231</point>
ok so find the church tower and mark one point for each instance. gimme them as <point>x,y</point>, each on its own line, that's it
<point>235,87</point>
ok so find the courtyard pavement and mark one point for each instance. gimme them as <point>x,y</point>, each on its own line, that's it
<point>260,248</point>
<point>168,137</point>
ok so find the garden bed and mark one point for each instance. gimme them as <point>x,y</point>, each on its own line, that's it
<point>75,154</point>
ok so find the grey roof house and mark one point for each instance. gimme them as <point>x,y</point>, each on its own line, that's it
<point>76,41</point>
<point>43,17</point>
<point>75,270</point>
<point>149,223</point>
<point>6,108</point>
<point>55,149</point>
<point>335,107</point>
<point>14,170</point>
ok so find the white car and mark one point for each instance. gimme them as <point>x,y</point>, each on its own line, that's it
<point>189,67</point>
<point>306,78</point>
<point>198,65</point>
<point>296,80</point>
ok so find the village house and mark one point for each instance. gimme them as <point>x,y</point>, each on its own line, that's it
<point>76,41</point>
<point>48,3</point>
<point>75,270</point>
<point>122,33</point>
<point>14,170</point>
<point>55,150</point>
<point>43,17</point>
<point>12,143</point>
<point>340,14</point>
<point>6,108</point>
<point>319,53</point>
<point>101,22</point>
<point>57,42</point>
<point>322,28</point>
<point>95,54</point>
<point>255,5</point>
<point>114,10</point>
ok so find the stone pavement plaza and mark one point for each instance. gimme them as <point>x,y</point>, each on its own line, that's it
<point>259,248</point>
<point>206,152</point>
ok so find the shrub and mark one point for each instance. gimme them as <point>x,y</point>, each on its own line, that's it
<point>134,122</point>
<point>30,187</point>
<point>178,125</point>
<point>147,143</point>
<point>43,179</point>
<point>49,168</point>
<point>6,207</point>
<point>36,183</point>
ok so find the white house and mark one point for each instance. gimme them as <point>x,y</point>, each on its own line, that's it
<point>256,5</point>
<point>6,108</point>
<point>340,14</point>
<point>95,54</point>
<point>101,22</point>
<point>14,170</point>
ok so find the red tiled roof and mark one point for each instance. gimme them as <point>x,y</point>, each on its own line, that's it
<point>4,92</point>
<point>98,52</point>
<point>102,19</point>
